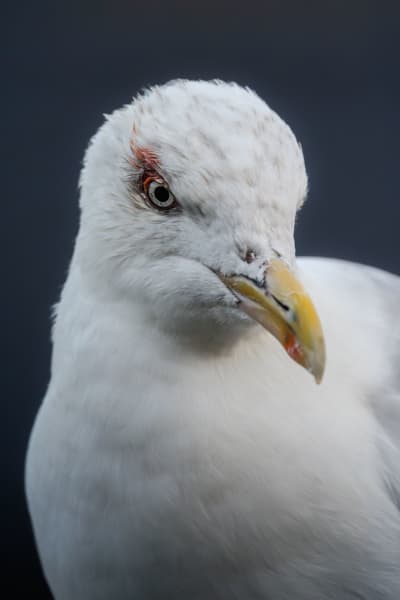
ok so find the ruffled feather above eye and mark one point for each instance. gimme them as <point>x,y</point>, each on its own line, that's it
<point>141,158</point>
<point>151,183</point>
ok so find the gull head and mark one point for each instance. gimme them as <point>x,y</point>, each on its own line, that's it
<point>188,202</point>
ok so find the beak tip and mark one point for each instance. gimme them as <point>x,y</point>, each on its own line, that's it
<point>318,378</point>
<point>317,365</point>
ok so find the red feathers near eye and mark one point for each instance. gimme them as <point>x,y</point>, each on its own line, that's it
<point>152,184</point>
<point>147,158</point>
<point>143,158</point>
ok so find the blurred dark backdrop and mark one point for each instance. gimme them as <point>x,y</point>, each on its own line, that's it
<point>331,69</point>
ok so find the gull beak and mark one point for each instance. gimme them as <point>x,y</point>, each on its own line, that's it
<point>284,308</point>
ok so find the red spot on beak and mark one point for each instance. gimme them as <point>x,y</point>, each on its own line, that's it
<point>293,348</point>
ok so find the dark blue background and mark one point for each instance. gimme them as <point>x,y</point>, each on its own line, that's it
<point>331,69</point>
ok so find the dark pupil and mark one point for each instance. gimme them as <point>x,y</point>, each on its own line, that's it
<point>161,193</point>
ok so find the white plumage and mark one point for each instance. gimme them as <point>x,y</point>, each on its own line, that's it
<point>179,453</point>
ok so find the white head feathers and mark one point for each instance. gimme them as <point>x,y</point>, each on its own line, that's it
<point>234,167</point>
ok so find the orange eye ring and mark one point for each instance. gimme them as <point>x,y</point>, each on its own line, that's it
<point>147,181</point>
<point>158,193</point>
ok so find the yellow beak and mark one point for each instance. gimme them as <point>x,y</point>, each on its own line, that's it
<point>286,311</point>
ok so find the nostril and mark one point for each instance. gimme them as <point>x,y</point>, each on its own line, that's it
<point>281,304</point>
<point>250,256</point>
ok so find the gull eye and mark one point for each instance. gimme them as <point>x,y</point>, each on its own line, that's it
<point>159,194</point>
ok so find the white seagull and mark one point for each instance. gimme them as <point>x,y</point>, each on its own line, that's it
<point>179,453</point>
